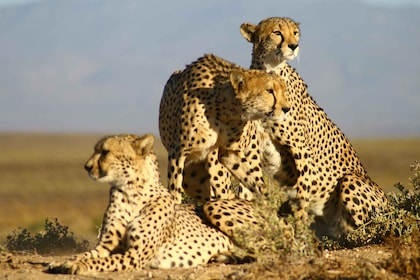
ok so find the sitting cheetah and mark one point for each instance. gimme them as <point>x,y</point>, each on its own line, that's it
<point>205,112</point>
<point>143,226</point>
<point>310,154</point>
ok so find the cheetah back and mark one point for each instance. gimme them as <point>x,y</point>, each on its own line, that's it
<point>203,113</point>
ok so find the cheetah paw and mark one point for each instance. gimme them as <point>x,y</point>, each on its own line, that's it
<point>68,267</point>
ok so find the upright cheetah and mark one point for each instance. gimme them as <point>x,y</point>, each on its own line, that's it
<point>310,154</point>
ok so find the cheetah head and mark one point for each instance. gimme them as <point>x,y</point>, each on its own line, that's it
<point>117,158</point>
<point>262,95</point>
<point>275,40</point>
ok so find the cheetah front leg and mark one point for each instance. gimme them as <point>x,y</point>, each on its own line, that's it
<point>305,182</point>
<point>145,235</point>
<point>128,261</point>
<point>176,164</point>
<point>208,180</point>
<point>113,229</point>
<point>220,178</point>
<point>197,181</point>
<point>249,173</point>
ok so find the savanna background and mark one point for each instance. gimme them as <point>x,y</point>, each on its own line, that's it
<point>43,176</point>
<point>73,71</point>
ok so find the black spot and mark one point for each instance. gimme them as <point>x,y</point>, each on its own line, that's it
<point>356,201</point>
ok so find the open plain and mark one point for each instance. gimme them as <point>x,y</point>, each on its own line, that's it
<point>42,176</point>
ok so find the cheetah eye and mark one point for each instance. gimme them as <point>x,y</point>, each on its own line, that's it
<point>104,152</point>
<point>270,91</point>
<point>278,33</point>
<point>296,33</point>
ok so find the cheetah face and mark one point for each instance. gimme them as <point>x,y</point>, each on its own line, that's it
<point>275,41</point>
<point>116,158</point>
<point>261,94</point>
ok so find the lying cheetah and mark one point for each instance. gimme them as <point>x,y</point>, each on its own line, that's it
<point>204,116</point>
<point>313,157</point>
<point>143,226</point>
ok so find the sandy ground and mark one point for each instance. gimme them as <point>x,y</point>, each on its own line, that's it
<point>371,262</point>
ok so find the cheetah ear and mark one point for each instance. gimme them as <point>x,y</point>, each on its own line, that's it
<point>237,80</point>
<point>248,30</point>
<point>144,144</point>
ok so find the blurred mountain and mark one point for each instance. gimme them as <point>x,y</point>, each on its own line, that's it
<point>100,65</point>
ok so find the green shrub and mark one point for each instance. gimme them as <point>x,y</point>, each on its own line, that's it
<point>288,236</point>
<point>56,238</point>
<point>282,237</point>
<point>401,218</point>
<point>408,200</point>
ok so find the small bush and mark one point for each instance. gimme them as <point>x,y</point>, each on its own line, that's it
<point>409,200</point>
<point>56,238</point>
<point>405,258</point>
<point>401,218</point>
<point>288,236</point>
<point>283,237</point>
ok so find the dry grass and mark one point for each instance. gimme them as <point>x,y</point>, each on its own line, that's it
<point>42,176</point>
<point>388,160</point>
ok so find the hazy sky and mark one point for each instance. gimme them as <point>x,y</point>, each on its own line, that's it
<point>72,65</point>
<point>14,2</point>
<point>381,2</point>
<point>393,2</point>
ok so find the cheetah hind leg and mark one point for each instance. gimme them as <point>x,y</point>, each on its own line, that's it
<point>233,217</point>
<point>354,202</point>
<point>202,184</point>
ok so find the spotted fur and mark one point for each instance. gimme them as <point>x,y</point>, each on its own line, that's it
<point>309,154</point>
<point>143,226</point>
<point>205,123</point>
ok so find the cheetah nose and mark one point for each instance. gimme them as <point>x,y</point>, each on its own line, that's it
<point>293,46</point>
<point>285,109</point>
<point>88,167</point>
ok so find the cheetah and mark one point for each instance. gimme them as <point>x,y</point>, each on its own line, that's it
<point>204,117</point>
<point>309,154</point>
<point>143,226</point>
